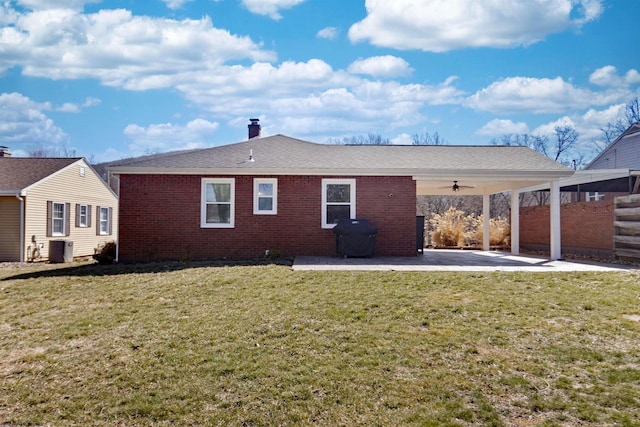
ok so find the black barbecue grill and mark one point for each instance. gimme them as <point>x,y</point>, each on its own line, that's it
<point>355,238</point>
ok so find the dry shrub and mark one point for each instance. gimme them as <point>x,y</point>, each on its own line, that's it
<point>450,228</point>
<point>499,231</point>
<point>454,228</point>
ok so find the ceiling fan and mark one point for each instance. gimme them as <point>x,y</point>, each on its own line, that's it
<point>456,188</point>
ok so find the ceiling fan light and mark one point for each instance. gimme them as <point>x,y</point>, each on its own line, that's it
<point>455,187</point>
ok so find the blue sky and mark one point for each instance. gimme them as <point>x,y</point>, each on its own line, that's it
<point>121,78</point>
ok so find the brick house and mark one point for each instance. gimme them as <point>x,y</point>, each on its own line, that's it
<point>285,195</point>
<point>45,201</point>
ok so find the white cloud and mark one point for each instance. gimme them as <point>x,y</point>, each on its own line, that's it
<point>23,124</point>
<point>167,136</point>
<point>591,123</point>
<point>329,33</point>
<point>381,66</point>
<point>315,98</point>
<point>438,26</point>
<point>497,127</point>
<point>175,4</point>
<point>270,8</point>
<point>402,139</point>
<point>224,74</point>
<point>549,128</point>
<point>608,76</point>
<point>68,107</point>
<point>91,102</point>
<point>55,4</point>
<point>534,95</point>
<point>119,49</point>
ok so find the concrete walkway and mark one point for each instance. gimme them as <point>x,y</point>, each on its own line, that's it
<point>454,260</point>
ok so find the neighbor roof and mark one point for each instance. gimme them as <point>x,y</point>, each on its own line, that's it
<point>624,152</point>
<point>284,155</point>
<point>18,173</point>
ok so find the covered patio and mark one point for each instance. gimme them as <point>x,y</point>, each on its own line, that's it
<point>487,181</point>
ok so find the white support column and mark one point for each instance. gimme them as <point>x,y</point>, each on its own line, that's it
<point>515,222</point>
<point>486,213</point>
<point>554,221</point>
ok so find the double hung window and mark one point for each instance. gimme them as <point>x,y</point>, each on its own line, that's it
<point>104,215</point>
<point>82,215</point>
<point>217,203</point>
<point>58,222</point>
<point>338,201</point>
<point>265,196</point>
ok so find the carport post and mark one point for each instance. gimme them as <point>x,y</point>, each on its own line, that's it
<point>515,222</point>
<point>486,229</point>
<point>554,221</point>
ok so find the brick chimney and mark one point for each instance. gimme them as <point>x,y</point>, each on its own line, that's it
<point>4,151</point>
<point>254,128</point>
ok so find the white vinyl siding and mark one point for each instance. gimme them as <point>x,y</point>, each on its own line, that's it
<point>338,201</point>
<point>265,196</point>
<point>217,209</point>
<point>68,186</point>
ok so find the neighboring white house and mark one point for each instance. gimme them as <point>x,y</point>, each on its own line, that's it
<point>44,200</point>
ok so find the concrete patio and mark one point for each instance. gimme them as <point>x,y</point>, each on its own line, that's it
<point>454,260</point>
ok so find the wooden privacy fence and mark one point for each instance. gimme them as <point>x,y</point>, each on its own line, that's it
<point>626,237</point>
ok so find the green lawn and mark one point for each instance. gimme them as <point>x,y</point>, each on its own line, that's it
<point>200,344</point>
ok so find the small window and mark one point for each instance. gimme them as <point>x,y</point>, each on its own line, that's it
<point>338,201</point>
<point>104,220</point>
<point>593,196</point>
<point>265,196</point>
<point>217,203</point>
<point>82,215</point>
<point>58,219</point>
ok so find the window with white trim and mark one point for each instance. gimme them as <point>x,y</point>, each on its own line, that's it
<point>104,216</point>
<point>58,219</point>
<point>338,200</point>
<point>265,196</point>
<point>593,196</point>
<point>83,215</point>
<point>217,206</point>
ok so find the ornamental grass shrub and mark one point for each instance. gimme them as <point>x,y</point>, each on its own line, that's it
<point>450,228</point>
<point>455,228</point>
<point>499,231</point>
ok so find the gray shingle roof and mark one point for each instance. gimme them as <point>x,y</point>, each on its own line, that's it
<point>280,154</point>
<point>18,173</point>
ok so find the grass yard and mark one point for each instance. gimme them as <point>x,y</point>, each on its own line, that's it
<point>199,344</point>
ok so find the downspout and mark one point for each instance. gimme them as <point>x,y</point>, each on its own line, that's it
<point>19,197</point>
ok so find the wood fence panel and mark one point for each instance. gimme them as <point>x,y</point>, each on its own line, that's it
<point>626,240</point>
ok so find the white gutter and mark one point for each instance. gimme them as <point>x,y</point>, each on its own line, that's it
<point>18,196</point>
<point>584,177</point>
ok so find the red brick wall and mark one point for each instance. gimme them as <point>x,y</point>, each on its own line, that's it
<point>160,218</point>
<point>585,225</point>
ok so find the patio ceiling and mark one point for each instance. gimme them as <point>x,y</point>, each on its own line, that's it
<point>475,185</point>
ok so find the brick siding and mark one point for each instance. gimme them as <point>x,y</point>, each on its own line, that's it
<point>160,218</point>
<point>587,227</point>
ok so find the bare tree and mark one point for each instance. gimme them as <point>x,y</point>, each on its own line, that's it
<point>369,139</point>
<point>51,152</point>
<point>613,130</point>
<point>632,112</point>
<point>428,139</point>
<point>556,146</point>
<point>565,139</point>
